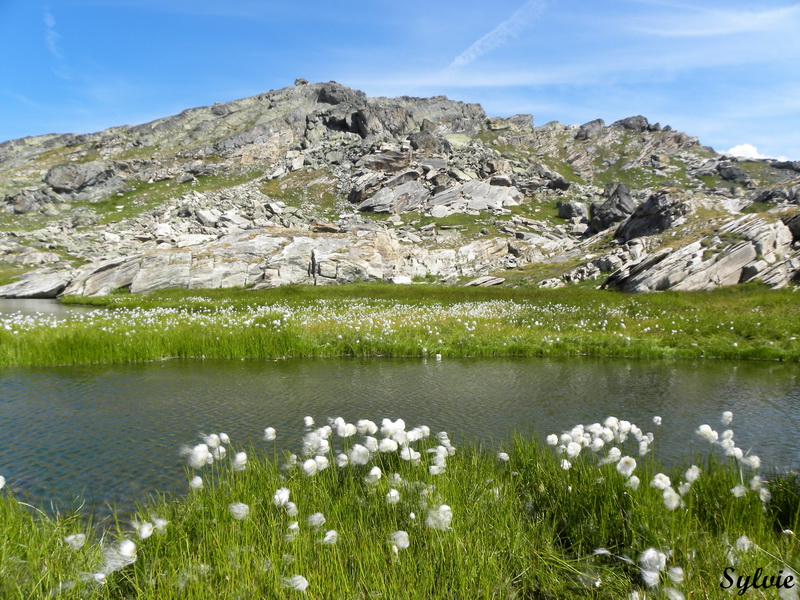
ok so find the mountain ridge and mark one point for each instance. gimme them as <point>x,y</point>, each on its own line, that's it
<point>430,174</point>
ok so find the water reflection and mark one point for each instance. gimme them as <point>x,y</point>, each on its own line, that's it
<point>114,432</point>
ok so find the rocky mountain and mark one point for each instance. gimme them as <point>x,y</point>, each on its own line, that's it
<point>319,184</point>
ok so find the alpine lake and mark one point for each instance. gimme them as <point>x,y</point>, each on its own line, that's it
<point>110,435</point>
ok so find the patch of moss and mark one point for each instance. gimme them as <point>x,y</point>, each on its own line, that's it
<point>312,190</point>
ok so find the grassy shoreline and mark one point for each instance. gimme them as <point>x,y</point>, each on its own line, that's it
<point>575,519</point>
<point>745,322</point>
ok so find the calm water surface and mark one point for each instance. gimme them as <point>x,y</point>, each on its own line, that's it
<point>113,433</point>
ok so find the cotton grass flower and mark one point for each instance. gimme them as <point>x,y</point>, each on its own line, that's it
<point>160,525</point>
<point>633,483</point>
<point>269,434</point>
<point>2,482</point>
<point>661,481</point>
<point>316,520</point>
<point>309,421</point>
<point>626,466</point>
<point>76,540</point>
<point>614,454</point>
<point>738,491</point>
<point>552,439</point>
<point>503,457</point>
<point>573,449</point>
<point>708,434</point>
<point>565,464</point>
<point>651,563</point>
<point>359,455</point>
<point>676,575</point>
<point>223,437</point>
<point>727,417</point>
<point>196,483</point>
<point>692,473</point>
<point>199,456</point>
<point>291,509</point>
<point>296,582</point>
<point>392,496</point>
<point>657,420</point>
<point>322,463</point>
<point>239,510</point>
<point>387,446</point>
<point>743,544</point>
<point>439,518</point>
<point>310,467</point>
<point>281,497</point>
<point>400,539</point>
<point>373,476</point>
<point>331,537</point>
<point>145,529</point>
<point>239,462</point>
<point>672,499</point>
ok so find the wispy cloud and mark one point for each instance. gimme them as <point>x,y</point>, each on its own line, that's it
<point>499,35</point>
<point>713,23</point>
<point>51,36</point>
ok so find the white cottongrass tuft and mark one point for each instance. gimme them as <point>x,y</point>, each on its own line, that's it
<point>239,510</point>
<point>2,482</point>
<point>341,460</point>
<point>76,540</point>
<point>387,445</point>
<point>160,525</point>
<point>661,481</point>
<point>239,462</point>
<point>310,467</point>
<point>573,449</point>
<point>199,456</point>
<point>676,575</point>
<point>672,499</point>
<point>269,434</point>
<point>322,462</point>
<point>708,434</point>
<point>738,491</point>
<point>316,519</point>
<point>727,417</point>
<point>366,427</point>
<point>651,563</point>
<point>657,420</point>
<point>633,483</point>
<point>223,437</point>
<point>565,464</point>
<point>373,476</point>
<point>291,509</point>
<point>552,439</point>
<point>196,482</point>
<point>764,494</point>
<point>743,544</point>
<point>331,537</point>
<point>673,594</point>
<point>439,518</point>
<point>614,454</point>
<point>296,582</point>
<point>392,496</point>
<point>119,557</point>
<point>400,539</point>
<point>626,466</point>
<point>309,421</point>
<point>145,530</point>
<point>359,455</point>
<point>281,497</point>
<point>692,473</point>
<point>503,457</point>
<point>211,440</point>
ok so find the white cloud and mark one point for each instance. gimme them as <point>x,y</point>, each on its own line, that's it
<point>51,36</point>
<point>750,151</point>
<point>499,35</point>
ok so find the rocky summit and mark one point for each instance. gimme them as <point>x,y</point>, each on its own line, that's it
<point>320,184</point>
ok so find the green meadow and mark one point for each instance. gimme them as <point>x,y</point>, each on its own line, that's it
<point>744,322</point>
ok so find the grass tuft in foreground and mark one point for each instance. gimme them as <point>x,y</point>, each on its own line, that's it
<point>372,510</point>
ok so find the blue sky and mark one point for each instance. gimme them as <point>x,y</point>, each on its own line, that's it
<point>727,72</point>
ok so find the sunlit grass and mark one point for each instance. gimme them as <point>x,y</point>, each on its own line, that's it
<point>410,321</point>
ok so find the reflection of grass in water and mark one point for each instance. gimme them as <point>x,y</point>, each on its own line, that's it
<point>420,519</point>
<point>417,320</point>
